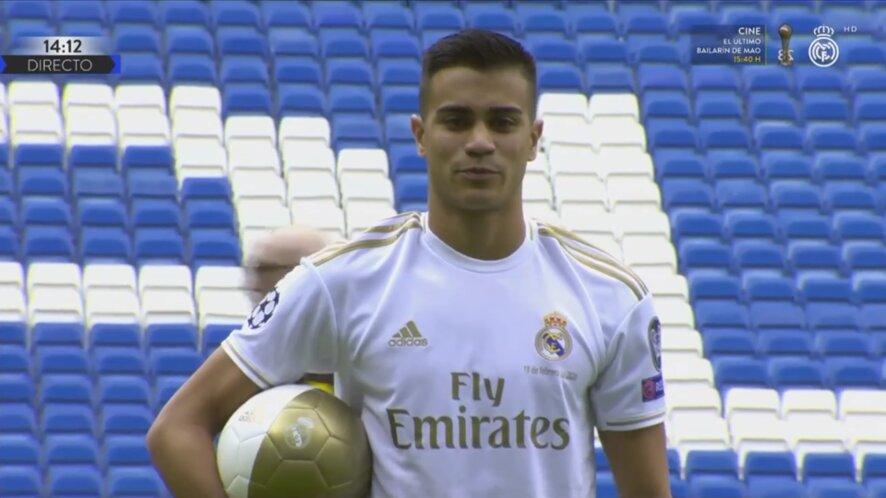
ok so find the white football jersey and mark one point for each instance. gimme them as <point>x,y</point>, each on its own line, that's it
<point>472,377</point>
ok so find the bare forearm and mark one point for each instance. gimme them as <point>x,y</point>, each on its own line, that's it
<point>185,458</point>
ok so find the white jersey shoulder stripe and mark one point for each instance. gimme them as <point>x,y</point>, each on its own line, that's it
<point>396,230</point>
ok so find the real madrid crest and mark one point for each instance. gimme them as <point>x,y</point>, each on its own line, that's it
<point>553,341</point>
<point>654,333</point>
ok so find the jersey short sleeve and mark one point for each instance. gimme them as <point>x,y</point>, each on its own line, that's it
<point>629,393</point>
<point>290,332</point>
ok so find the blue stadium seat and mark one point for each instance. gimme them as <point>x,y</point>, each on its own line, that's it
<point>136,39</point>
<point>683,21</point>
<point>778,136</point>
<point>9,213</point>
<point>134,481</point>
<point>405,159</point>
<point>101,213</point>
<point>768,287</point>
<point>119,361</point>
<point>19,449</point>
<point>776,488</point>
<point>286,15</point>
<point>741,194</point>
<point>870,107</point>
<point>776,314</point>
<point>775,343</point>
<point>786,165</point>
<point>105,245</point>
<point>609,77</point>
<point>858,226</point>
<point>721,314</point>
<point>392,44</point>
<point>45,155</point>
<point>184,12</point>
<point>337,14</point>
<point>209,214</point>
<point>213,247</point>
<point>94,157</point>
<point>43,211</point>
<point>838,166</point>
<point>872,137</point>
<point>115,335</point>
<point>348,72</point>
<point>63,418</point>
<point>606,485</point>
<point>849,196</point>
<point>246,98</point>
<point>218,188</point>
<point>811,79</point>
<point>236,13</point>
<point>192,40</point>
<point>156,213</point>
<point>677,164</point>
<point>97,183</point>
<point>174,362</point>
<point>40,181</point>
<point>870,291</point>
<point>770,464</point>
<point>74,480</point>
<point>732,372</point>
<point>490,17</point>
<point>841,343</point>
<point>240,41</point>
<point>159,244</point>
<point>151,184</point>
<point>398,72</point>
<point>873,468</point>
<point>410,189</point>
<point>166,387</point>
<point>658,50</point>
<point>126,451</point>
<point>48,242</point>
<point>767,78</point>
<point>718,105</point>
<point>713,78</point>
<point>173,335</point>
<point>438,16</point>
<point>10,245</point>
<point>242,69</point>
<point>57,333</point>
<point>559,77</point>
<point>84,10</point>
<point>131,12</point>
<point>749,224</point>
<point>18,480</point>
<point>73,449</point>
<point>667,133</point>
<point>192,68</point>
<point>147,158</point>
<point>716,487</point>
<point>214,334</point>
<point>301,99</point>
<point>123,389</point>
<point>343,43</point>
<point>604,50</point>
<point>665,104</point>
<point>388,16</point>
<point>591,19</point>
<point>713,286</point>
<point>14,359</point>
<point>661,77</point>
<point>704,254</point>
<point>397,131</point>
<point>62,360</point>
<point>854,373</point>
<point>141,68</point>
<point>535,19</point>
<point>835,489</point>
<point>352,100</point>
<point>828,303</point>
<point>355,132</point>
<point>821,136</point>
<point>18,418</point>
<point>824,108</point>
<point>17,388</point>
<point>796,195</point>
<point>729,342</point>
<point>787,373</point>
<point>125,419</point>
<point>65,388</point>
<point>813,255</point>
<point>287,44</point>
<point>828,466</point>
<point>758,254</point>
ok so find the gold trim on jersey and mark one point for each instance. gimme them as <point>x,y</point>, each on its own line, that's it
<point>345,247</point>
<point>393,226</point>
<point>245,361</point>
<point>601,262</point>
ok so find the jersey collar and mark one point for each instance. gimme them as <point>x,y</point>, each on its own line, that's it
<point>452,256</point>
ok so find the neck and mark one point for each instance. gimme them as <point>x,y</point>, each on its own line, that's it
<point>488,235</point>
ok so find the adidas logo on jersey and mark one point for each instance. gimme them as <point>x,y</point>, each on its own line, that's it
<point>408,336</point>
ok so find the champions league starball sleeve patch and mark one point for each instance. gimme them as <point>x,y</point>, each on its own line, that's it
<point>264,310</point>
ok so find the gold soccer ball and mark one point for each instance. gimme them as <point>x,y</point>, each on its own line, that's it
<point>294,441</point>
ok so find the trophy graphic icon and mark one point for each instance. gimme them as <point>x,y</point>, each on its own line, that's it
<point>785,54</point>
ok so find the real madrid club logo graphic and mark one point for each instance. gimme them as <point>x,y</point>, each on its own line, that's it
<point>265,309</point>
<point>553,342</point>
<point>654,333</point>
<point>823,51</point>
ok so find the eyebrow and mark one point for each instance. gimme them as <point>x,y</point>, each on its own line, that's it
<point>460,109</point>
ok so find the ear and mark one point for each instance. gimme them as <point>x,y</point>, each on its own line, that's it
<point>535,135</point>
<point>418,132</point>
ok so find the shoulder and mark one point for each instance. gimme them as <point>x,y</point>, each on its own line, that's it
<point>604,276</point>
<point>372,244</point>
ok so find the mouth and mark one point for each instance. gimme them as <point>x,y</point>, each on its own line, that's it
<point>477,172</point>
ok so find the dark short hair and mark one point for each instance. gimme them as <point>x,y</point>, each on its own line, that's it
<point>476,49</point>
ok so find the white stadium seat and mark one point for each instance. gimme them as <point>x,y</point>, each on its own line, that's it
<point>139,126</point>
<point>138,96</point>
<point>562,103</point>
<point>54,304</point>
<point>166,306</point>
<point>312,184</point>
<point>751,402</point>
<point>366,185</point>
<point>631,195</point>
<point>196,123</point>
<point>66,275</point>
<point>299,155</point>
<point>643,223</point>
<point>323,214</point>
<point>35,124</point>
<point>253,156</point>
<point>536,187</point>
<point>539,165</point>
<point>304,129</point>
<point>588,218</point>
<point>88,95</point>
<point>225,306</point>
<point>221,278</point>
<point>251,129</point>
<point>607,131</point>
<point>687,371</point>
<point>361,215</point>
<point>165,277</point>
<point>584,189</point>
<point>680,343</point>
<point>362,160</point>
<point>689,432</point>
<point>816,436</point>
<point>808,404</point>
<point>12,275</point>
<point>625,161</point>
<point>649,250</point>
<point>764,433</point>
<point>90,126</point>
<point>606,243</point>
<point>12,304</point>
<point>4,103</point>
<point>864,439</point>
<point>664,282</point>
<point>33,93</point>
<point>863,406</point>
<point>541,210</point>
<point>193,158</point>
<point>572,159</point>
<point>263,185</point>
<point>699,400</point>
<point>613,104</point>
<point>111,306</point>
<point>196,97</point>
<point>565,130</point>
<point>675,312</point>
<point>109,276</point>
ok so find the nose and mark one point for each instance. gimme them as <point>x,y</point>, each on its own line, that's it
<point>480,142</point>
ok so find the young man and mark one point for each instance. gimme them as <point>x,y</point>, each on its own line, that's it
<point>480,348</point>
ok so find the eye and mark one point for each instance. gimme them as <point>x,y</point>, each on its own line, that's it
<point>503,123</point>
<point>455,122</point>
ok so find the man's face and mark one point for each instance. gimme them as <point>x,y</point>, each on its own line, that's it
<point>477,136</point>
